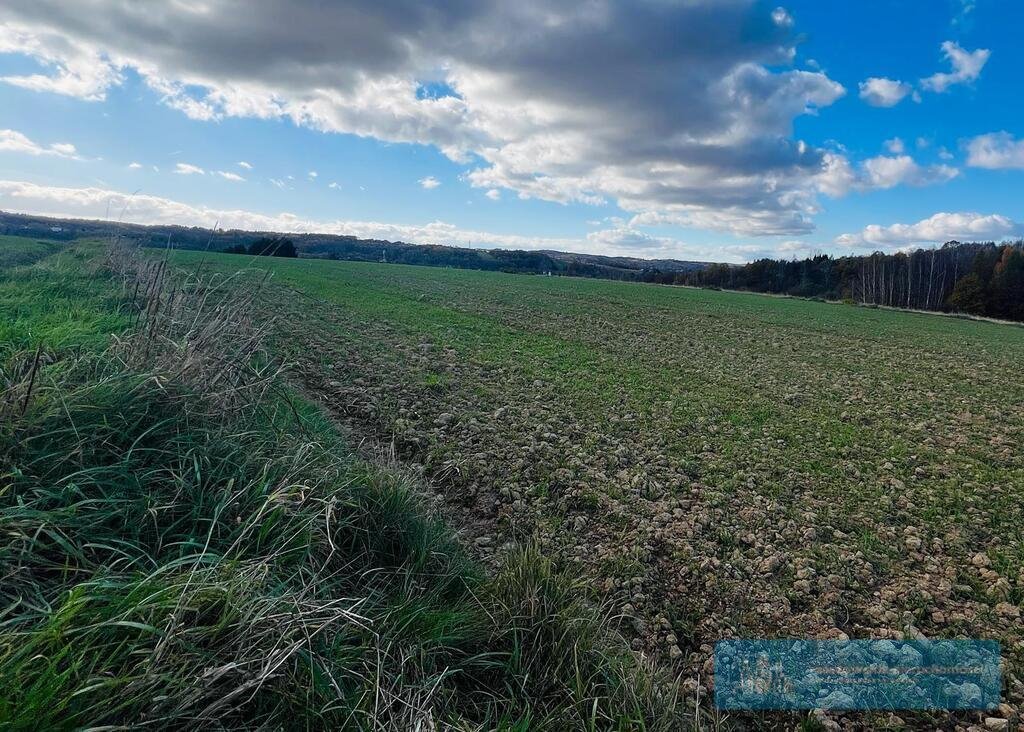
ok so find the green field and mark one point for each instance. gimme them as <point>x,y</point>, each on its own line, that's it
<point>191,544</point>
<point>304,493</point>
<point>17,251</point>
<point>712,462</point>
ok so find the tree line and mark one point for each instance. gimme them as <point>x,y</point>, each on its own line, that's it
<point>514,261</point>
<point>266,246</point>
<point>976,278</point>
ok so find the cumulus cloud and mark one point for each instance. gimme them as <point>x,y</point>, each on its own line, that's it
<point>228,175</point>
<point>494,194</point>
<point>937,229</point>
<point>895,146</point>
<point>882,92</point>
<point>839,176</point>
<point>430,182</point>
<point>135,166</point>
<point>889,171</point>
<point>14,141</point>
<point>628,239</point>
<point>967,66</point>
<point>681,110</point>
<point>188,169</point>
<point>243,164</point>
<point>781,17</point>
<point>77,69</point>
<point>995,150</point>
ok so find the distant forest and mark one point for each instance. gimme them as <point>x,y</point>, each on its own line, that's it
<point>976,278</point>
<point>350,248</point>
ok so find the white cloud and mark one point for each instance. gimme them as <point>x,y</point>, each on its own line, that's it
<point>494,194</point>
<point>791,249</point>
<point>886,172</point>
<point>628,239</point>
<point>937,229</point>
<point>313,175</point>
<point>966,8</point>
<point>227,175</point>
<point>995,150</point>
<point>882,92</point>
<point>77,69</point>
<point>895,146</point>
<point>63,149</point>
<point>576,101</point>
<point>16,142</point>
<point>782,18</point>
<point>796,248</point>
<point>967,66</point>
<point>839,176</point>
<point>243,164</point>
<point>430,182</point>
<point>188,169</point>
<point>334,186</point>
<point>135,166</point>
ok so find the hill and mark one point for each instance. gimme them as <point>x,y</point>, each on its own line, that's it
<point>350,248</point>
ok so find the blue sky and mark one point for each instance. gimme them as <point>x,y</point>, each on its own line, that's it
<point>722,131</point>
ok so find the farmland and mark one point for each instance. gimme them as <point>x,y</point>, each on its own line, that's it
<point>404,495</point>
<point>714,464</point>
<point>537,366</point>
<point>189,544</point>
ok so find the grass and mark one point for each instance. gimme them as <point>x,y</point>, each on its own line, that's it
<point>58,305</point>
<point>17,251</point>
<point>176,556</point>
<point>810,437</point>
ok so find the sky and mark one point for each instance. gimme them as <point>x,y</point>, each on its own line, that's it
<point>712,130</point>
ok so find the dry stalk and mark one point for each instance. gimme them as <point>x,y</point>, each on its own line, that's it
<point>197,329</point>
